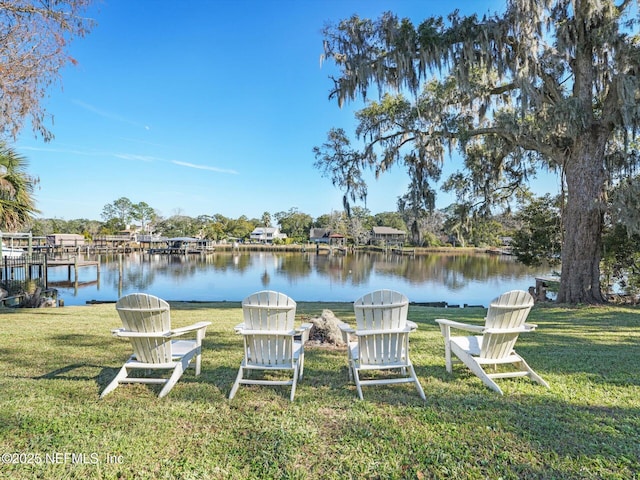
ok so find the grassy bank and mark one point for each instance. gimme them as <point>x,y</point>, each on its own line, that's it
<point>55,362</point>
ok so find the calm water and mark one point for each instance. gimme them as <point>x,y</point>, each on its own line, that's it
<point>473,279</point>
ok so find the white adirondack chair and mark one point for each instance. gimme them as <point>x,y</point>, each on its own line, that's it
<point>147,324</point>
<point>270,340</point>
<point>505,320</point>
<point>382,339</point>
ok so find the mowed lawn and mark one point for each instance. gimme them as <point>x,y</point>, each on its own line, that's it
<point>55,362</point>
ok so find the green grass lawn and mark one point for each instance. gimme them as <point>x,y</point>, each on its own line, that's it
<point>55,362</point>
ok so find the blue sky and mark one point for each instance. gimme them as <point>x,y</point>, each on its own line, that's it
<point>203,107</point>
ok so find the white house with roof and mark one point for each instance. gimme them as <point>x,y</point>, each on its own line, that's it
<point>267,234</point>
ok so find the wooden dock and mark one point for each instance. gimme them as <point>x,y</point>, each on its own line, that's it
<point>180,251</point>
<point>403,251</point>
<point>32,270</point>
<point>330,249</point>
<point>539,292</point>
<point>73,264</point>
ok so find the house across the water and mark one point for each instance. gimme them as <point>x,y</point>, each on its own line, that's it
<point>387,236</point>
<point>185,245</point>
<point>267,234</point>
<point>65,240</point>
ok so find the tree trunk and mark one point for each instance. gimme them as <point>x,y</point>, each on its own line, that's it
<point>583,221</point>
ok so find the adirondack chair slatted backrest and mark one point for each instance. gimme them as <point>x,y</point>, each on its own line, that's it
<point>510,310</point>
<point>379,311</point>
<point>146,313</point>
<point>274,313</point>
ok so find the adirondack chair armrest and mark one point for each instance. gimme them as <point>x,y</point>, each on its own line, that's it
<point>238,328</point>
<point>304,330</point>
<point>522,329</point>
<point>345,329</point>
<point>291,333</point>
<point>122,333</point>
<point>383,331</point>
<point>446,324</point>
<point>412,325</point>
<point>176,332</point>
<point>273,308</point>
<point>527,327</point>
<point>504,330</point>
<point>497,306</point>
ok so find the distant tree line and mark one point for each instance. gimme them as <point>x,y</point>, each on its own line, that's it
<point>451,225</point>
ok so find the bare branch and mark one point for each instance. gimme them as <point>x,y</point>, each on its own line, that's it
<point>35,36</point>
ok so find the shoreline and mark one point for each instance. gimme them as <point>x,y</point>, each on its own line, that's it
<point>364,249</point>
<point>315,302</point>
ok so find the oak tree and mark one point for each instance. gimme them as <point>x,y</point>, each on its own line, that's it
<point>547,84</point>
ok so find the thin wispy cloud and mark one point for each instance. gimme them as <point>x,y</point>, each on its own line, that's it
<point>134,157</point>
<point>89,153</point>
<point>66,151</point>
<point>205,167</point>
<point>109,115</point>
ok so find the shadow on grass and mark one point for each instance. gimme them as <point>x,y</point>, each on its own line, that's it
<point>78,340</point>
<point>63,373</point>
<point>220,378</point>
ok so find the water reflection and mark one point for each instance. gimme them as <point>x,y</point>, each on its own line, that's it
<point>453,278</point>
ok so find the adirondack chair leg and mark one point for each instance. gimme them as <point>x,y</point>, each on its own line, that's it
<point>446,333</point>
<point>301,362</point>
<point>356,379</point>
<point>350,363</point>
<point>122,374</point>
<point>532,375</point>
<point>417,382</point>
<point>172,380</point>
<point>485,379</point>
<point>236,385</point>
<point>199,338</point>
<point>175,376</point>
<point>198,360</point>
<point>481,374</point>
<point>294,382</point>
<point>471,363</point>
